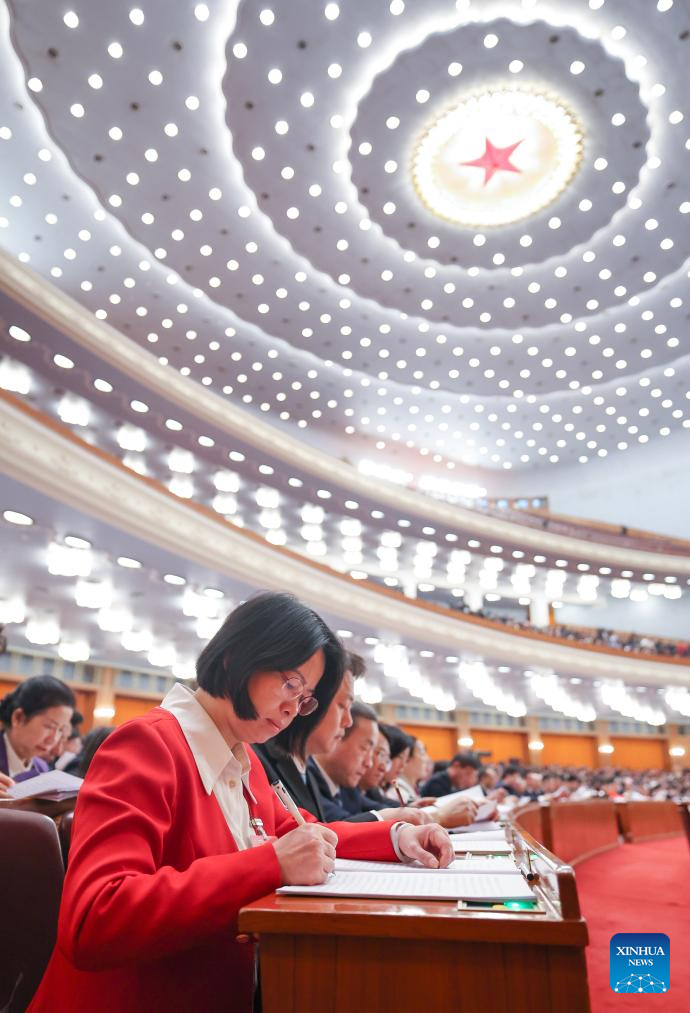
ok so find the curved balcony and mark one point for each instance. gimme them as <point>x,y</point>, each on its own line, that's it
<point>75,327</point>
<point>40,454</point>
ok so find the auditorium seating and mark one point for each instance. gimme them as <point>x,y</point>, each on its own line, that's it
<point>31,873</point>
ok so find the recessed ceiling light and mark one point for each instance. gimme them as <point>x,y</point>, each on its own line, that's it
<point>15,517</point>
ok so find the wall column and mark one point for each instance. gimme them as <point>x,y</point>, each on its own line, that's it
<point>539,610</point>
<point>603,739</point>
<point>462,726</point>
<point>474,598</point>
<point>535,745</point>
<point>104,707</point>
<point>676,741</point>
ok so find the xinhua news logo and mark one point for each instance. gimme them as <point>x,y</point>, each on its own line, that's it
<point>640,962</point>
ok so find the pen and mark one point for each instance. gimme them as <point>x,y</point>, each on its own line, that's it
<point>394,784</point>
<point>286,799</point>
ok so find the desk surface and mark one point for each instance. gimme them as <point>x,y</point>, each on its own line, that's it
<point>439,920</point>
<point>337,955</point>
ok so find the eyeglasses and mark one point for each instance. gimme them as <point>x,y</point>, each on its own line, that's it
<point>57,731</point>
<point>293,689</point>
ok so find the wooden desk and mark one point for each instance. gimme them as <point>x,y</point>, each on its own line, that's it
<point>684,810</point>
<point>579,830</point>
<point>328,955</point>
<point>646,821</point>
<point>41,805</point>
<point>533,818</point>
<point>572,830</point>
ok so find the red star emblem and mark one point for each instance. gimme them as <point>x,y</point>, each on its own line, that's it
<point>494,159</point>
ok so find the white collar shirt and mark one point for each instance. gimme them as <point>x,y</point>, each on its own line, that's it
<point>15,765</point>
<point>224,772</point>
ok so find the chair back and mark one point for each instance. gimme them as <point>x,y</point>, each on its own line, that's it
<point>65,834</point>
<point>31,874</point>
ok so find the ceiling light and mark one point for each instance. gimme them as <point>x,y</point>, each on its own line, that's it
<point>128,563</point>
<point>14,517</point>
<point>63,561</point>
<point>42,630</point>
<point>12,610</point>
<point>137,640</point>
<point>74,650</point>
<point>15,377</point>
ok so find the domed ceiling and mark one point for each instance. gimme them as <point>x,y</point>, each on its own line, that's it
<point>452,229</point>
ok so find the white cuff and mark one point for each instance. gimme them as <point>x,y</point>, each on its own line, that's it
<point>395,834</point>
<point>377,815</point>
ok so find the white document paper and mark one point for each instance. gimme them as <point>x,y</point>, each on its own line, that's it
<point>55,785</point>
<point>464,866</point>
<point>489,831</point>
<point>425,885</point>
<point>475,792</point>
<point>479,846</point>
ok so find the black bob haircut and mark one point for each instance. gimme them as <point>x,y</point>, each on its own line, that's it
<point>271,632</point>
<point>35,695</point>
<point>293,739</point>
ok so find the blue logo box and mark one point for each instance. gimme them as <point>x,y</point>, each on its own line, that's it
<point>640,962</point>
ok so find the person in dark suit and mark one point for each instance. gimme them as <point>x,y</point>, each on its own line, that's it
<point>462,772</point>
<point>342,768</point>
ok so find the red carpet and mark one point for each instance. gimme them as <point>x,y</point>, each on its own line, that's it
<point>638,888</point>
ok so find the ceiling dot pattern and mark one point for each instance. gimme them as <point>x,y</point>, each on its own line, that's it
<point>215,187</point>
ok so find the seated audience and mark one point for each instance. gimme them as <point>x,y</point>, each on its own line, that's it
<point>338,773</point>
<point>512,781</point>
<point>400,745</point>
<point>372,779</point>
<point>162,856</point>
<point>34,717</point>
<point>462,772</point>
<point>416,770</point>
<point>72,746</point>
<point>533,785</point>
<point>92,742</point>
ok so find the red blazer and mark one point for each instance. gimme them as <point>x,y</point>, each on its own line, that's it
<point>155,882</point>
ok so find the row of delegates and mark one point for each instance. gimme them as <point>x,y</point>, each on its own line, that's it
<point>328,763</point>
<point>338,742</point>
<point>34,717</point>
<point>382,777</point>
<point>162,856</point>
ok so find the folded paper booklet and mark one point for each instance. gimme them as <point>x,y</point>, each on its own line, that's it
<point>500,865</point>
<point>427,884</point>
<point>54,785</point>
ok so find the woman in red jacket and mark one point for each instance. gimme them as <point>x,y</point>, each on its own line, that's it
<point>169,830</point>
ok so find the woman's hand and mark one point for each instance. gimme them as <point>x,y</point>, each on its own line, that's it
<point>306,855</point>
<point>422,803</point>
<point>5,783</point>
<point>430,845</point>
